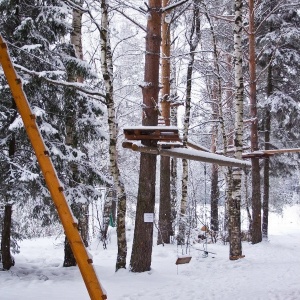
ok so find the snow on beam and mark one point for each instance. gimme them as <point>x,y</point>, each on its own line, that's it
<point>191,154</point>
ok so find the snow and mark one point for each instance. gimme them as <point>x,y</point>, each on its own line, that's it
<point>270,270</point>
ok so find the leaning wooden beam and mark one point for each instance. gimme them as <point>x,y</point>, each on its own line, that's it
<point>56,190</point>
<point>266,153</point>
<point>196,146</point>
<point>196,155</point>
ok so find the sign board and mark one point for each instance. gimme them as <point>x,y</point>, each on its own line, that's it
<point>183,260</point>
<point>148,217</point>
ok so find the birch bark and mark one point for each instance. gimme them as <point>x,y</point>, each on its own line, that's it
<point>107,73</point>
<point>235,201</point>
<point>193,43</point>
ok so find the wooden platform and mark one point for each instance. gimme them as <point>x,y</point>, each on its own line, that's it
<point>159,133</point>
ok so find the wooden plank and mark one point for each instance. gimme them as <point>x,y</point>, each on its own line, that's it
<point>183,260</point>
<point>267,153</point>
<point>165,133</point>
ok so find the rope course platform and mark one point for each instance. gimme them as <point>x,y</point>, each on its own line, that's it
<point>159,133</point>
<point>169,145</point>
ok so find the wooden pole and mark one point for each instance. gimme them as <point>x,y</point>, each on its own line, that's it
<point>56,190</point>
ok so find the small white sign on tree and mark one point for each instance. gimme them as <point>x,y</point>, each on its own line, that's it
<point>148,217</point>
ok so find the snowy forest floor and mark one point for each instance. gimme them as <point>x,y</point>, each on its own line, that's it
<point>270,270</point>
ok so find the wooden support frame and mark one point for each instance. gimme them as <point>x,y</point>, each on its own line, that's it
<point>56,190</point>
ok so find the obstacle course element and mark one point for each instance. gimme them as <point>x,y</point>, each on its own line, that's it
<point>56,190</point>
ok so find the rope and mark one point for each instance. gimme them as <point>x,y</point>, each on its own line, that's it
<point>205,253</point>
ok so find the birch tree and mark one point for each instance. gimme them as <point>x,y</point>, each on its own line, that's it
<point>107,73</point>
<point>235,251</point>
<point>193,41</point>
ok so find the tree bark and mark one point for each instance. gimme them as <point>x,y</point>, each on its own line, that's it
<point>266,196</point>
<point>143,231</point>
<point>79,210</point>
<point>256,195</point>
<point>164,222</point>
<point>107,73</point>
<point>235,251</point>
<point>193,43</point>
<point>7,259</point>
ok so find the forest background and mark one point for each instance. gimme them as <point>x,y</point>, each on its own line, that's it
<point>82,65</point>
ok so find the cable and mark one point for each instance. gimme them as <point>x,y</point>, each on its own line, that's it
<point>20,49</point>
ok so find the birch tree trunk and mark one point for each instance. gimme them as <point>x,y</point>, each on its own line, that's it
<point>174,176</point>
<point>256,195</point>
<point>143,231</point>
<point>164,222</point>
<point>107,73</point>
<point>193,43</point>
<point>235,201</point>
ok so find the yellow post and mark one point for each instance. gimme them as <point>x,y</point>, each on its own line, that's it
<point>56,190</point>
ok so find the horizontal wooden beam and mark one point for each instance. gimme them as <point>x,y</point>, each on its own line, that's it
<point>190,154</point>
<point>267,153</point>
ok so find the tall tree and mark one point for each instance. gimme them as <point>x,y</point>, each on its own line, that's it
<point>235,251</point>
<point>107,73</point>
<point>256,235</point>
<point>164,222</point>
<point>143,231</point>
<point>193,41</point>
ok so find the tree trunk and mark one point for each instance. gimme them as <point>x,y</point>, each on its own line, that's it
<point>106,215</point>
<point>7,260</point>
<point>183,203</point>
<point>267,160</point>
<point>256,195</point>
<point>193,43</point>
<point>143,231</point>
<point>235,251</point>
<point>107,73</point>
<point>173,183</point>
<point>79,210</point>
<point>164,222</point>
<point>214,200</point>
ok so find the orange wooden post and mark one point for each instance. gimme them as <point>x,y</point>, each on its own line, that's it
<point>56,190</point>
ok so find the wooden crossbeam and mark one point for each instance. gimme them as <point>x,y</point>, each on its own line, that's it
<point>191,154</point>
<point>160,133</point>
<point>267,153</point>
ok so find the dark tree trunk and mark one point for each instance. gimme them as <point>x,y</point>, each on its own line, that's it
<point>214,200</point>
<point>164,223</point>
<point>7,260</point>
<point>143,231</point>
<point>69,259</point>
<point>266,196</point>
<point>256,194</point>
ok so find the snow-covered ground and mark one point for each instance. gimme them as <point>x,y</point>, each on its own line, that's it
<point>270,270</point>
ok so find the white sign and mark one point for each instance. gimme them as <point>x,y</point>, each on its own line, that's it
<point>148,217</point>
